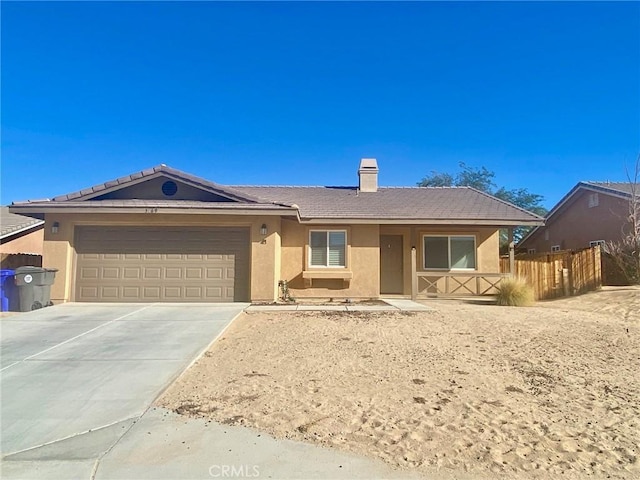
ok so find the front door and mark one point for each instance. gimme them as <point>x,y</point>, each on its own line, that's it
<point>391,271</point>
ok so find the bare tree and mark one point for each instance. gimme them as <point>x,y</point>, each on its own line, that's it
<point>625,253</point>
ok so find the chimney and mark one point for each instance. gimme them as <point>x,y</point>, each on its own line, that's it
<point>368,174</point>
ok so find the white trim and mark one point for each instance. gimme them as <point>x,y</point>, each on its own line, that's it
<point>449,269</point>
<point>555,248</point>
<point>22,229</point>
<point>593,243</point>
<point>327,231</point>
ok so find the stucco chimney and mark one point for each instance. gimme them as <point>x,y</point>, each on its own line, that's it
<point>368,174</point>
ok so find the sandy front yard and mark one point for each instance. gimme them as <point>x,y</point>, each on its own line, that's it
<point>474,391</point>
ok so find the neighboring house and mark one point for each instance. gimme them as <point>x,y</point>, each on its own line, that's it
<point>20,234</point>
<point>164,235</point>
<point>590,214</point>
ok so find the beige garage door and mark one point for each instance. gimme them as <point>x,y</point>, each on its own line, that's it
<point>162,264</point>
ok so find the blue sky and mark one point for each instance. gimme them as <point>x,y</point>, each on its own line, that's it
<point>545,94</point>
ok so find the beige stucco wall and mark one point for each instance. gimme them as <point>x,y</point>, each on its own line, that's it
<point>281,255</point>
<point>30,243</point>
<point>363,260</point>
<point>487,245</point>
<point>363,256</point>
<point>575,225</point>
<point>59,250</point>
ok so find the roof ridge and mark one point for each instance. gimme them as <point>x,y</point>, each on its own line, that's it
<point>293,186</point>
<point>355,187</point>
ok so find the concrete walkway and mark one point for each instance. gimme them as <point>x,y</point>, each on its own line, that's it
<point>185,448</point>
<point>392,305</point>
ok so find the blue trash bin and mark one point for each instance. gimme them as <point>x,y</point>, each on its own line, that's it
<point>6,288</point>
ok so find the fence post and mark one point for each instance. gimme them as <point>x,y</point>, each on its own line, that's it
<point>414,274</point>
<point>512,254</point>
<point>565,282</point>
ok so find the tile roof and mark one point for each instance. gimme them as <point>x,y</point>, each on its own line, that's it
<point>394,203</point>
<point>12,223</point>
<point>425,204</point>
<point>151,172</point>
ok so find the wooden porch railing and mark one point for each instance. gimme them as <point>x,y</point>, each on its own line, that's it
<point>434,283</point>
<point>447,283</point>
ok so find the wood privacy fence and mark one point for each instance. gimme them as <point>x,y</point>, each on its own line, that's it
<point>559,274</point>
<point>12,261</point>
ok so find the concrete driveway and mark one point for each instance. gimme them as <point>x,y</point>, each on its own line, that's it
<point>76,377</point>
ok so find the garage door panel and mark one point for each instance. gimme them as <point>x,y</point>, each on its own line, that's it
<point>131,273</point>
<point>214,273</point>
<point>193,292</point>
<point>152,273</point>
<point>151,293</point>
<point>88,292</point>
<point>89,273</point>
<point>173,293</point>
<point>110,272</point>
<point>171,273</point>
<point>109,293</point>
<point>162,264</point>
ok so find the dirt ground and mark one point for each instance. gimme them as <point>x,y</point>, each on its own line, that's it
<point>470,390</point>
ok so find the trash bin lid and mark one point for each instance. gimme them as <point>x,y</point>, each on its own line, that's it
<point>50,269</point>
<point>7,273</point>
<point>29,269</point>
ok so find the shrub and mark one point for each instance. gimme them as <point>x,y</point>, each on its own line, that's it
<point>515,292</point>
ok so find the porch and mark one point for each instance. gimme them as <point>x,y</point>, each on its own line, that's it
<point>448,262</point>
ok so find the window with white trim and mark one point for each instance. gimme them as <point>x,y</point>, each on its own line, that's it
<point>328,248</point>
<point>555,248</point>
<point>531,251</point>
<point>449,252</point>
<point>594,201</point>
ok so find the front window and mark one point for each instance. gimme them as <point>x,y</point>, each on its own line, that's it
<point>453,252</point>
<point>327,248</point>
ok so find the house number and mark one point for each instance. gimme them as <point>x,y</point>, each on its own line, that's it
<point>150,210</point>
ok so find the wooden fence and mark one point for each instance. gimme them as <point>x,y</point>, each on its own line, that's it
<point>559,274</point>
<point>12,261</point>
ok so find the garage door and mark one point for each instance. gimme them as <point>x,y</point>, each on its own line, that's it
<point>162,264</point>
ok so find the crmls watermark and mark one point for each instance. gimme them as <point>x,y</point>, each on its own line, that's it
<point>234,471</point>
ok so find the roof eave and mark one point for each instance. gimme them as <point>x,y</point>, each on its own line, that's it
<point>67,209</point>
<point>423,221</point>
<point>33,226</point>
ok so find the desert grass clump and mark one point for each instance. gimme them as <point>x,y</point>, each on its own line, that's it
<point>515,292</point>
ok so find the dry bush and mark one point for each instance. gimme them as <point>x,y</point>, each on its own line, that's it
<point>625,252</point>
<point>515,292</point>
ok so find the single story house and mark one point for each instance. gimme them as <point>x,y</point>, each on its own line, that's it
<point>20,234</point>
<point>592,213</point>
<point>163,235</point>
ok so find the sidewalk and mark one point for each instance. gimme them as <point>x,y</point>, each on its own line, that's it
<point>392,305</point>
